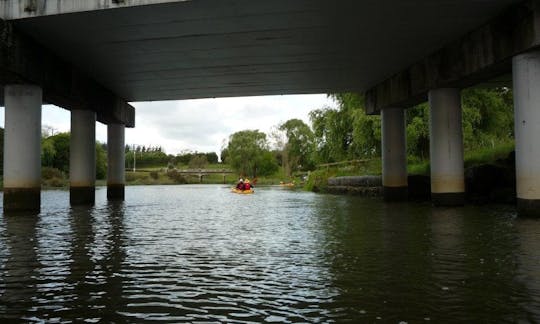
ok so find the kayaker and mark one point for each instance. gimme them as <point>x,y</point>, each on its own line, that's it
<point>240,184</point>
<point>247,185</point>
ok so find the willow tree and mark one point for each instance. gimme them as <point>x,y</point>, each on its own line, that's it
<point>345,132</point>
<point>248,153</point>
<point>299,145</point>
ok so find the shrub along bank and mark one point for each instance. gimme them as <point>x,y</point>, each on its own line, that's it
<point>489,177</point>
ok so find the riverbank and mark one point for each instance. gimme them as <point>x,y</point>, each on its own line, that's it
<point>56,179</point>
<point>489,178</point>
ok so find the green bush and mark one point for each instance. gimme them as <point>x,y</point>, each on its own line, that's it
<point>55,182</point>
<point>134,176</point>
<point>48,173</point>
<point>176,176</point>
<point>154,175</point>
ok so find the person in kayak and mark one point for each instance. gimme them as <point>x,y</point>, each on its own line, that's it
<point>240,185</point>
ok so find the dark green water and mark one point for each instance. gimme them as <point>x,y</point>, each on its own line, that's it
<point>203,254</point>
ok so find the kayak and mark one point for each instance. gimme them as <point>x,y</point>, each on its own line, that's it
<point>290,184</point>
<point>242,192</point>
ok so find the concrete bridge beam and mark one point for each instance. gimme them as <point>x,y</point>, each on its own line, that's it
<point>116,161</point>
<point>22,148</point>
<point>24,61</point>
<point>526,79</point>
<point>446,148</point>
<point>482,54</point>
<point>394,154</point>
<point>82,157</point>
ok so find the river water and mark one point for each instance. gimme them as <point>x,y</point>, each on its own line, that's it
<point>200,253</point>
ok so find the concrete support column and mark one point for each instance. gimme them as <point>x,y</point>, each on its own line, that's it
<point>446,148</point>
<point>116,161</point>
<point>22,148</point>
<point>82,157</point>
<point>526,79</point>
<point>394,154</point>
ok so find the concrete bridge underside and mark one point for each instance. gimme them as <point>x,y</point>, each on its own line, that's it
<point>216,48</point>
<point>99,55</point>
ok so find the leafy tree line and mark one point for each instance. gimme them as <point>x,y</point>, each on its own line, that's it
<point>253,153</point>
<point>55,154</point>
<point>156,156</point>
<point>347,133</point>
<point>335,134</point>
<point>187,157</point>
<point>145,156</point>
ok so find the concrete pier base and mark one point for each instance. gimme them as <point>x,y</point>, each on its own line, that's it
<point>446,148</point>
<point>82,195</point>
<point>82,158</point>
<point>116,161</point>
<point>22,200</point>
<point>526,79</point>
<point>22,148</point>
<point>115,191</point>
<point>394,154</point>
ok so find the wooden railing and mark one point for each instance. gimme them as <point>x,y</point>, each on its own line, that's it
<point>327,165</point>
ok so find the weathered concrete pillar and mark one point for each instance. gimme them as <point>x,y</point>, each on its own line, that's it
<point>82,157</point>
<point>526,79</point>
<point>116,161</point>
<point>446,148</point>
<point>394,154</point>
<point>22,148</point>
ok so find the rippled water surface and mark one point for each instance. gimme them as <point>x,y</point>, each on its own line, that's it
<point>203,254</point>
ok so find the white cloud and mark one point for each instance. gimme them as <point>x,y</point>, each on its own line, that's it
<point>199,125</point>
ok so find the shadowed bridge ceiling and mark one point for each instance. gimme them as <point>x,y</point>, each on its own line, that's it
<point>222,48</point>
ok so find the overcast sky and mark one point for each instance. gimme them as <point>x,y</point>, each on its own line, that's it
<point>198,125</point>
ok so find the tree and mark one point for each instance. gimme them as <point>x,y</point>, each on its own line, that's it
<point>299,146</point>
<point>224,155</point>
<point>418,132</point>
<point>249,154</point>
<point>346,132</point>
<point>48,151</point>
<point>55,151</point>
<point>212,157</point>
<point>488,116</point>
<point>198,161</point>
<point>55,154</point>
<point>101,161</point>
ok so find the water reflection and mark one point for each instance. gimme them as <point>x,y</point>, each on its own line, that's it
<point>414,263</point>
<point>475,253</point>
<point>98,253</point>
<point>529,267</point>
<point>81,222</point>
<point>199,253</point>
<point>20,266</point>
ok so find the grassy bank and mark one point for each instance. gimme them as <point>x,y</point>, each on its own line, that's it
<point>317,180</point>
<point>160,175</point>
<point>490,155</point>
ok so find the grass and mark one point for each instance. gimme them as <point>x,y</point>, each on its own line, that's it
<point>318,179</point>
<point>157,175</point>
<point>479,156</point>
<point>419,168</point>
<point>488,155</point>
